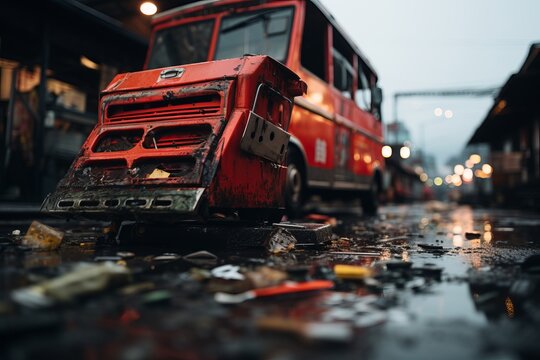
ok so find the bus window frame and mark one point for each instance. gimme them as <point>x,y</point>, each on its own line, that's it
<point>217,25</point>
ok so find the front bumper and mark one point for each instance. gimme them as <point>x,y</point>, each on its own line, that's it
<point>103,203</point>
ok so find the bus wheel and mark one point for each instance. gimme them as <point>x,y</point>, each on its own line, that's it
<point>370,199</point>
<point>295,187</point>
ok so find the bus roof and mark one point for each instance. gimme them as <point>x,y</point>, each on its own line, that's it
<point>204,4</point>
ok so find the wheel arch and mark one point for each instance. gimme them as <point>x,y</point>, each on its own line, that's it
<point>296,146</point>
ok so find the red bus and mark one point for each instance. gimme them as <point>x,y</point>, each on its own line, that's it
<point>336,129</point>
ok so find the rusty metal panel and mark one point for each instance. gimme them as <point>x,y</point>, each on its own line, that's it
<point>264,139</point>
<point>111,200</point>
<point>170,143</point>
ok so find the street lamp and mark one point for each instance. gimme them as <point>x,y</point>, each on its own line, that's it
<point>386,151</point>
<point>405,152</point>
<point>458,169</point>
<point>475,158</point>
<point>467,175</point>
<point>148,8</point>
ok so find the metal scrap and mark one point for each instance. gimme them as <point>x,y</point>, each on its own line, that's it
<point>280,241</point>
<point>42,237</point>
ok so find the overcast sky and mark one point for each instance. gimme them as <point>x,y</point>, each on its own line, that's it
<point>439,44</point>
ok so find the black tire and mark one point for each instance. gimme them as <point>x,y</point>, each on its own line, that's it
<point>370,199</point>
<point>295,185</point>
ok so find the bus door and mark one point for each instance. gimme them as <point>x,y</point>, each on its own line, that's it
<point>343,133</point>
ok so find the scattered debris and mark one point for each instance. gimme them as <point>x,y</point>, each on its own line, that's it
<point>287,225</point>
<point>428,270</point>
<point>341,243</point>
<point>429,247</point>
<point>167,257</point>
<point>228,272</point>
<point>372,273</point>
<point>322,219</point>
<point>158,174</point>
<point>200,255</point>
<point>286,288</point>
<point>107,258</point>
<point>352,272</point>
<point>280,241</point>
<point>266,276</point>
<point>201,258</point>
<point>394,238</point>
<point>157,297</point>
<point>472,235</point>
<point>137,288</point>
<point>85,279</point>
<point>397,265</point>
<point>355,253</point>
<point>42,237</point>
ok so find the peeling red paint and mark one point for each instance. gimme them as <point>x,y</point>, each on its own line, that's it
<point>161,135</point>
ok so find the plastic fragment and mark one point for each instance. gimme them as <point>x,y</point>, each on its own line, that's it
<point>287,288</point>
<point>352,272</point>
<point>228,272</point>
<point>84,280</point>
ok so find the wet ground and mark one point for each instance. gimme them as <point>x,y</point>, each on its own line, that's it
<point>429,281</point>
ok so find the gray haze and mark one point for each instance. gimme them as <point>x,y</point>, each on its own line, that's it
<point>432,44</point>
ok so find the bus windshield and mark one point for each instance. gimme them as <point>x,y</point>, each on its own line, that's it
<point>258,32</point>
<point>183,44</point>
<point>263,32</point>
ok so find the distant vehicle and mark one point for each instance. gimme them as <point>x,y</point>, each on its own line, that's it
<point>206,129</point>
<point>336,130</point>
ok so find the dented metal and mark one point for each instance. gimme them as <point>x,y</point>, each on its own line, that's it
<point>114,201</point>
<point>264,139</point>
<point>170,142</point>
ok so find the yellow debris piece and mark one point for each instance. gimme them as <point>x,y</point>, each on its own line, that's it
<point>159,174</point>
<point>352,271</point>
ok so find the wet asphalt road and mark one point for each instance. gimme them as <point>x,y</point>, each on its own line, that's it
<point>446,282</point>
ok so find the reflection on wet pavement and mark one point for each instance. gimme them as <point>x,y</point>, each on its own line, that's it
<point>419,280</point>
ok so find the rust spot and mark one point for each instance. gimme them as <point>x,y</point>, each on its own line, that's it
<point>169,95</point>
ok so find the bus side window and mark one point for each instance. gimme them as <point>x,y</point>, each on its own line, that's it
<point>343,75</point>
<point>313,52</point>
<point>363,93</point>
